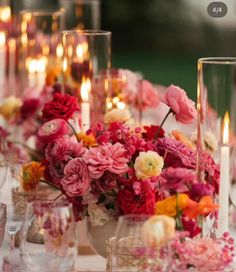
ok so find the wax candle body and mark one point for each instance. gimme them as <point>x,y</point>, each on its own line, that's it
<point>223,217</point>
<point>85,115</point>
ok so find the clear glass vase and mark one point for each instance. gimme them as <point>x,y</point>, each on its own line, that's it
<point>81,14</point>
<point>217,127</point>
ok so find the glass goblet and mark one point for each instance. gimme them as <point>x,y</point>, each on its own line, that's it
<point>54,221</point>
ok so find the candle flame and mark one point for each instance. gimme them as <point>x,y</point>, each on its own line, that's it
<point>120,105</point>
<point>81,51</point>
<point>226,123</point>
<point>2,38</point>
<point>5,13</point>
<point>37,65</point>
<point>59,50</point>
<point>85,89</point>
<point>12,44</point>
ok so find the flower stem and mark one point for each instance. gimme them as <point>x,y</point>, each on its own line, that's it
<point>162,123</point>
<point>72,128</point>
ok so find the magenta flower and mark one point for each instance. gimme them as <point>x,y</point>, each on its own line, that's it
<point>183,107</point>
<point>111,158</point>
<point>199,190</point>
<point>176,179</point>
<point>29,108</point>
<point>106,183</point>
<point>191,226</point>
<point>175,153</point>
<point>52,130</point>
<point>76,181</point>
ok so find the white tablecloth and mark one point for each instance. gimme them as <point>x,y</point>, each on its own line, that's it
<point>84,263</point>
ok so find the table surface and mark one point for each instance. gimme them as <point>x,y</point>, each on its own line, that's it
<point>84,263</point>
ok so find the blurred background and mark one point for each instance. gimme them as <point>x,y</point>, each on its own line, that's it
<point>161,39</point>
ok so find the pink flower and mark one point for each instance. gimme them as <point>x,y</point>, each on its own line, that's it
<point>180,104</point>
<point>76,179</point>
<point>191,226</point>
<point>29,108</point>
<point>52,130</point>
<point>176,154</point>
<point>149,95</point>
<point>111,158</point>
<point>106,183</point>
<point>176,179</point>
<point>199,190</point>
<point>64,149</point>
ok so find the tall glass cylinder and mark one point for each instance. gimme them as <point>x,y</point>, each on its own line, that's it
<point>40,43</point>
<point>86,54</point>
<point>217,126</point>
<point>81,14</point>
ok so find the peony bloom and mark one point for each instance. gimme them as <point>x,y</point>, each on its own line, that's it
<point>111,158</point>
<point>172,204</point>
<point>98,215</point>
<point>10,107</point>
<point>148,164</point>
<point>131,203</point>
<point>176,179</point>
<point>62,106</point>
<point>117,115</point>
<point>183,107</point>
<point>157,230</point>
<point>52,130</point>
<point>31,174</point>
<point>76,181</point>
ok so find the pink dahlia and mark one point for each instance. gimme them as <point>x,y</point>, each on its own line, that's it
<point>176,154</point>
<point>76,179</point>
<point>111,158</point>
<point>183,107</point>
<point>176,179</point>
<point>52,130</point>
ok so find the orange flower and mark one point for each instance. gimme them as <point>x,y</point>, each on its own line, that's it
<point>52,76</point>
<point>88,140</point>
<point>179,136</point>
<point>204,207</point>
<point>170,205</point>
<point>31,174</point>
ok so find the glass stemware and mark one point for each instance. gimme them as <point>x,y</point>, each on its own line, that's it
<point>131,250</point>
<point>54,222</point>
<point>11,173</point>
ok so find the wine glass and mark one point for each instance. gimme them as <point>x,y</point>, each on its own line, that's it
<point>131,250</point>
<point>11,172</point>
<point>49,236</point>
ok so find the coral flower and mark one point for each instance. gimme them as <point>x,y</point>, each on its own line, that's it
<point>179,136</point>
<point>31,174</point>
<point>204,207</point>
<point>171,205</point>
<point>88,140</point>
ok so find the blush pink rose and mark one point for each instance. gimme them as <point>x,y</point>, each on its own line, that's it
<point>149,95</point>
<point>76,181</point>
<point>183,107</point>
<point>111,158</point>
<point>52,130</point>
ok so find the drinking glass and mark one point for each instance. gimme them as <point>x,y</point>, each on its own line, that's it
<point>81,14</point>
<point>131,251</point>
<point>12,172</point>
<point>54,222</point>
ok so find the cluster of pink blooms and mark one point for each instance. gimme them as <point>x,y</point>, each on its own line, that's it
<point>203,254</point>
<point>98,170</point>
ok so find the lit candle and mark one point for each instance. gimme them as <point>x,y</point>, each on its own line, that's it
<point>36,72</point>
<point>85,106</point>
<point>5,14</point>
<point>81,51</point>
<point>12,61</point>
<point>223,217</point>
<point>2,56</point>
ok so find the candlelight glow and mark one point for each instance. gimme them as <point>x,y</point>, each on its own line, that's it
<point>2,38</point>
<point>41,66</point>
<point>64,65</point>
<point>12,44</point>
<point>85,89</point>
<point>226,129</point>
<point>81,51</point>
<point>59,50</point>
<point>37,65</point>
<point>5,13</point>
<point>120,105</point>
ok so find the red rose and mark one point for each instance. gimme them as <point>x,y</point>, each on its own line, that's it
<point>131,203</point>
<point>152,132</point>
<point>29,108</point>
<point>62,106</point>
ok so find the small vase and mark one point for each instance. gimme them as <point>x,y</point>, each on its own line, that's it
<point>100,234</point>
